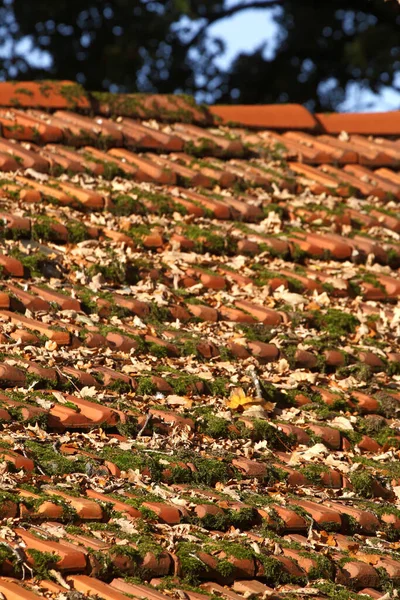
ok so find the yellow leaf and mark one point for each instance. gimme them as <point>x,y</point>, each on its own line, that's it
<point>238,399</point>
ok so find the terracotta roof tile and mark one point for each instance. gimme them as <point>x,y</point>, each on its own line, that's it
<point>43,94</point>
<point>148,106</point>
<point>285,116</point>
<point>387,123</point>
<point>199,353</point>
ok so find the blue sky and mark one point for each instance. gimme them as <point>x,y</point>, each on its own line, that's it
<point>249,29</point>
<point>246,31</point>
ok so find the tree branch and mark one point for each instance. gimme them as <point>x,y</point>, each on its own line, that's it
<point>229,12</point>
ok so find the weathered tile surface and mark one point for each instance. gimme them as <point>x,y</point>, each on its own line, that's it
<point>199,325</point>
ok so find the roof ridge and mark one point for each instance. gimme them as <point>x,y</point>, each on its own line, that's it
<point>53,95</point>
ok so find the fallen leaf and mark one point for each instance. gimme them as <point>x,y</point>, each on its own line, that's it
<point>88,392</point>
<point>238,399</point>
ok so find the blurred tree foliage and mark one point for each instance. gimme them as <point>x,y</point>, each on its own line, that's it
<point>321,47</point>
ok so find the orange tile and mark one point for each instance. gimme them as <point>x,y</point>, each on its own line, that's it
<point>93,167</point>
<point>224,144</point>
<point>26,158</point>
<point>155,173</point>
<point>193,178</point>
<point>141,136</point>
<point>340,155</point>
<point>304,152</point>
<point>11,590</point>
<point>386,123</point>
<point>367,155</point>
<point>374,179</point>
<point>268,116</point>
<point>105,130</point>
<point>61,337</point>
<point>334,154</point>
<point>165,107</point>
<point>43,94</point>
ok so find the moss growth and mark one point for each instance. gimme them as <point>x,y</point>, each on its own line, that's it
<point>77,231</point>
<point>313,472</point>
<point>146,387</point>
<point>45,228</point>
<point>125,205</point>
<point>193,568</point>
<point>6,554</point>
<point>336,592</point>
<point>53,463</point>
<point>219,386</point>
<point>216,427</point>
<point>262,430</point>
<point>360,371</point>
<point>207,240</point>
<point>257,332</point>
<point>34,263</point>
<point>363,482</point>
<point>335,322</point>
<point>43,561</point>
<point>114,272</point>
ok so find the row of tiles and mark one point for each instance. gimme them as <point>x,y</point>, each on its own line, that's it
<point>122,340</point>
<point>239,239</point>
<point>71,551</point>
<point>126,338</point>
<point>77,130</point>
<point>120,589</point>
<point>368,283</point>
<point>90,587</point>
<point>60,410</point>
<point>53,95</point>
<point>200,507</point>
<point>355,155</point>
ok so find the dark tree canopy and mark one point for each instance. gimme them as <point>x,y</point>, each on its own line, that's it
<point>146,45</point>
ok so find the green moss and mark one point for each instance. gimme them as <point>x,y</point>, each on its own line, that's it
<point>113,272</point>
<point>145,387</point>
<point>42,229</point>
<point>393,258</point>
<point>219,386</point>
<point>43,561</point>
<point>273,571</point>
<point>324,569</point>
<point>206,240</point>
<point>362,481</point>
<point>161,204</point>
<point>193,569</point>
<point>211,471</point>
<point>335,322</point>
<point>6,554</point>
<point>264,275</point>
<point>389,406</point>
<point>73,93</point>
<point>214,426</point>
<point>336,592</point>
<point>313,472</point>
<point>77,231</point>
<point>119,386</point>
<point>53,463</point>
<point>34,263</point>
<point>125,205</point>
<point>263,430</point>
<point>158,314</point>
<point>157,350</point>
<point>182,383</point>
<point>369,277</point>
<point>361,371</point>
<point>257,332</point>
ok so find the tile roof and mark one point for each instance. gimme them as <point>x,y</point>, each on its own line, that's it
<point>199,325</point>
